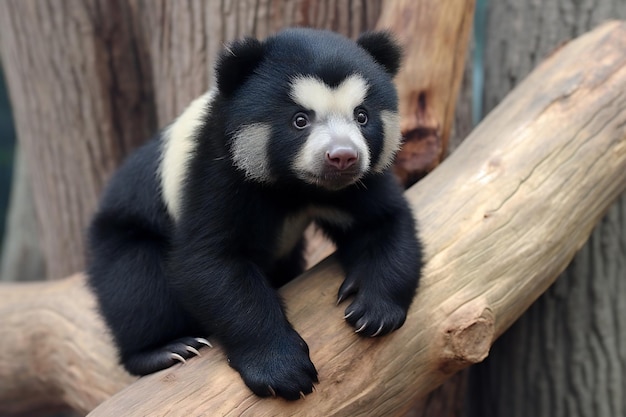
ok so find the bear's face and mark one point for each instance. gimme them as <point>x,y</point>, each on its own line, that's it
<point>315,107</point>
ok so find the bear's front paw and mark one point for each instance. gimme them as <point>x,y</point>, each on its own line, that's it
<point>374,315</point>
<point>279,368</point>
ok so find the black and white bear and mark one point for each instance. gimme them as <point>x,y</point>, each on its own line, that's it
<point>200,225</point>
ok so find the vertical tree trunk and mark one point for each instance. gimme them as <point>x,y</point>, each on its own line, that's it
<point>435,38</point>
<point>185,37</point>
<point>81,98</point>
<point>22,259</point>
<point>565,356</point>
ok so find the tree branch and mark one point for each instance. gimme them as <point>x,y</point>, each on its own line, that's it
<point>500,218</point>
<point>55,351</point>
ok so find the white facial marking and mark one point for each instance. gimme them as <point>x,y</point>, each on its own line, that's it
<point>311,156</point>
<point>178,145</point>
<point>314,94</point>
<point>249,151</point>
<point>334,120</point>
<point>391,141</point>
<point>293,226</point>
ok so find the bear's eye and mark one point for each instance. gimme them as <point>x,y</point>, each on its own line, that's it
<point>360,116</point>
<point>300,120</point>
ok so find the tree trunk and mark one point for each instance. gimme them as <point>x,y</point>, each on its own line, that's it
<point>565,356</point>
<point>435,38</point>
<point>22,259</point>
<point>184,37</point>
<point>81,99</point>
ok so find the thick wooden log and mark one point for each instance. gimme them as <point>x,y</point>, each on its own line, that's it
<point>55,351</point>
<point>499,220</point>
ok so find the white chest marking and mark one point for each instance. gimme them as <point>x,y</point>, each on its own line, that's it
<point>178,147</point>
<point>293,226</point>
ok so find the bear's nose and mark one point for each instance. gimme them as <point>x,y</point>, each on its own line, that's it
<point>342,157</point>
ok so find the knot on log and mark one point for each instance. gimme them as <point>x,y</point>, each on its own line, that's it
<point>468,334</point>
<point>420,153</point>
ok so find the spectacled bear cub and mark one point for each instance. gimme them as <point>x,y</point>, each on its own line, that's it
<point>200,225</point>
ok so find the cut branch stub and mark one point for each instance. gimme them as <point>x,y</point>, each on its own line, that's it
<point>469,333</point>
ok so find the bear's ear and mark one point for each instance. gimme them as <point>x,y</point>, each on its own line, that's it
<point>383,48</point>
<point>236,63</point>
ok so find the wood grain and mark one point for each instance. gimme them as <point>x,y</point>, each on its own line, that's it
<point>435,36</point>
<point>82,100</point>
<point>184,38</point>
<point>576,331</point>
<point>55,351</point>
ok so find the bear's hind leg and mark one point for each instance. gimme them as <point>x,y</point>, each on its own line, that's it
<point>177,351</point>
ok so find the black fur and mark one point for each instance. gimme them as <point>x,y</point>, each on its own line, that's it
<point>237,63</point>
<point>161,283</point>
<point>383,48</point>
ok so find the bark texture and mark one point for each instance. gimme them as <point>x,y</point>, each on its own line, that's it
<point>435,38</point>
<point>566,357</point>
<point>184,37</point>
<point>41,370</point>
<point>81,99</point>
<point>22,259</point>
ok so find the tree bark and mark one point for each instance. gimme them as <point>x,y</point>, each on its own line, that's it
<point>435,37</point>
<point>22,259</point>
<point>185,37</point>
<point>500,219</point>
<point>74,365</point>
<point>565,356</point>
<point>81,98</point>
